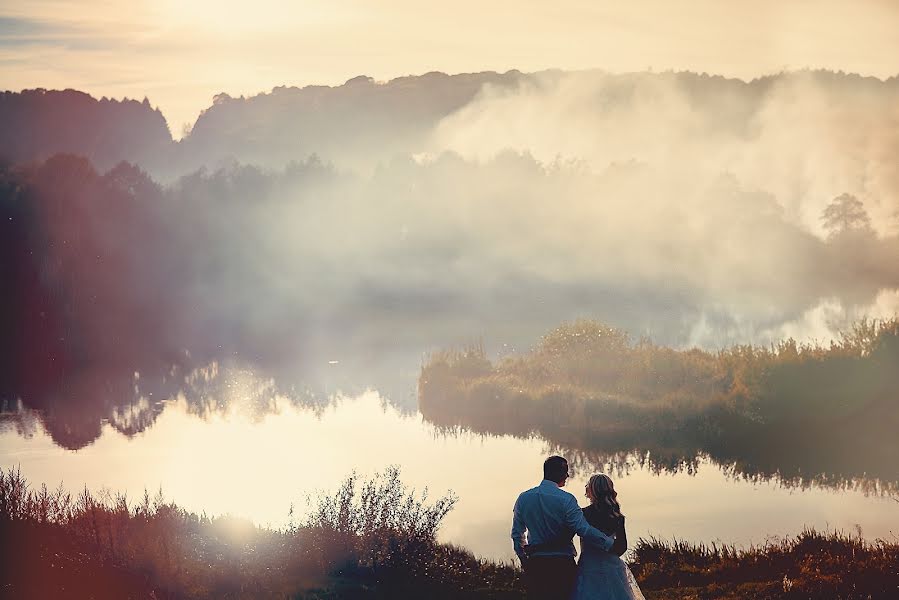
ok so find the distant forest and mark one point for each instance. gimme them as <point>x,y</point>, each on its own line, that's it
<point>363,122</point>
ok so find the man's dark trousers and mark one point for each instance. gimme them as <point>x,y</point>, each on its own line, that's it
<point>550,577</point>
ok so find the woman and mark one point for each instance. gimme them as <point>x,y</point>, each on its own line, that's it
<point>603,575</point>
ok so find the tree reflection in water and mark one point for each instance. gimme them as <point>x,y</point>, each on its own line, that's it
<point>74,413</point>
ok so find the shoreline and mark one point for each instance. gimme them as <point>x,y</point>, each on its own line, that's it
<point>370,539</point>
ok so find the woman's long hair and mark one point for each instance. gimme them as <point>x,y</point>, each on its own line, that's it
<point>605,498</point>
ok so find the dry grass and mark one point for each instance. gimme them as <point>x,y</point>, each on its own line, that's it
<point>810,565</point>
<point>792,410</point>
<point>371,540</point>
<point>374,540</point>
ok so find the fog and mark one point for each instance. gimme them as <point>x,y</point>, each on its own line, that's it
<point>717,189</point>
<point>803,138</point>
<point>451,250</point>
<point>683,207</point>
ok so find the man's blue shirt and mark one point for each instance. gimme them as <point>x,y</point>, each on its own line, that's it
<point>549,516</point>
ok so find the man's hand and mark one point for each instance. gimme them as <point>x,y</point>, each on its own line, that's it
<point>523,555</point>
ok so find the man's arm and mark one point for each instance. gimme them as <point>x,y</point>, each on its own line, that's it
<point>574,517</point>
<point>518,532</point>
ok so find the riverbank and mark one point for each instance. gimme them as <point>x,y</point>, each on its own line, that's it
<point>810,565</point>
<point>371,539</point>
<point>792,411</point>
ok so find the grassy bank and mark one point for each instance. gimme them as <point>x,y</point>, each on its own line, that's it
<point>798,411</point>
<point>369,539</point>
<point>811,565</point>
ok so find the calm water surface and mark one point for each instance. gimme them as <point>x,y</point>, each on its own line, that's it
<point>251,464</point>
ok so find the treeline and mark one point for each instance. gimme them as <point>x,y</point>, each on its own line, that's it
<point>343,123</point>
<point>106,275</point>
<point>369,539</point>
<point>82,254</point>
<point>359,123</point>
<point>36,124</point>
<point>113,271</point>
<point>798,411</point>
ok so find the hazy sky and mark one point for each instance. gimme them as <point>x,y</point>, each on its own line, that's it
<point>181,53</point>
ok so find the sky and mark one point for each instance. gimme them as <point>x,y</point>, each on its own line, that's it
<point>180,54</point>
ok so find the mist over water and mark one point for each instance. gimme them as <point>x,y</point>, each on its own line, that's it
<point>680,206</point>
<point>711,187</point>
<point>684,207</point>
<point>449,209</point>
<point>324,256</point>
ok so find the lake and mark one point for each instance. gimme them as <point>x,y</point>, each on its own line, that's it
<point>237,445</point>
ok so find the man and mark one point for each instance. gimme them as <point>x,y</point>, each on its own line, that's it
<point>544,521</point>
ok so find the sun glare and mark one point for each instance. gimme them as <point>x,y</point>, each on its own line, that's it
<point>246,18</point>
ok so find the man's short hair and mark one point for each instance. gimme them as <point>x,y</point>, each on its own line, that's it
<point>555,468</point>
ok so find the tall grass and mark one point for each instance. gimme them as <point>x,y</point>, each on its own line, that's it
<point>369,539</point>
<point>378,526</point>
<point>150,544</point>
<point>791,409</point>
<point>810,565</point>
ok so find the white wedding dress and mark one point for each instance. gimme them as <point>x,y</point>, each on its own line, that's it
<point>603,575</point>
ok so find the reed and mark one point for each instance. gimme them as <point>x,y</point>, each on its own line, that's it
<point>810,565</point>
<point>789,409</point>
<point>370,539</point>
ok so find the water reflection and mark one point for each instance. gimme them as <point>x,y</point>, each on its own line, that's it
<point>793,459</point>
<point>75,414</point>
<point>254,463</point>
<point>625,463</point>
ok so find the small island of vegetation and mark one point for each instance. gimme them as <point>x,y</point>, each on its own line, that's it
<point>798,412</point>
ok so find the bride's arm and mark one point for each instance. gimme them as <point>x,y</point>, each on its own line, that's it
<point>620,545</point>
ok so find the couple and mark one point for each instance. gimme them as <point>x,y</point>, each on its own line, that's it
<point>544,522</point>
